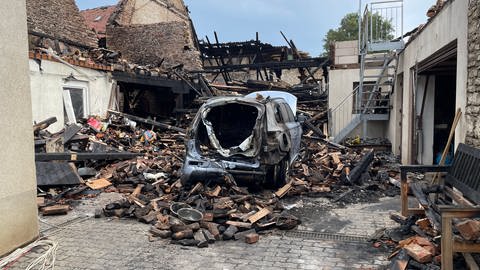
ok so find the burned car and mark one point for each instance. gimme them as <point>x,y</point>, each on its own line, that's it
<point>256,137</point>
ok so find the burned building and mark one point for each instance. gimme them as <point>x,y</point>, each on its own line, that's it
<point>156,38</point>
<point>257,60</point>
<point>65,82</point>
<point>157,33</point>
<point>57,24</point>
<point>96,19</point>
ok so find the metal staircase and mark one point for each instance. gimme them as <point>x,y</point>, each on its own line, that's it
<point>379,23</point>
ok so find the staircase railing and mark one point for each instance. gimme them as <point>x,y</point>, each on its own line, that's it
<point>373,101</point>
<point>342,114</point>
<point>380,23</point>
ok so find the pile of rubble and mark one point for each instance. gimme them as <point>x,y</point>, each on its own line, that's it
<point>149,178</point>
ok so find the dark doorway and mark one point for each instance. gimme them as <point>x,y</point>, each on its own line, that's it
<point>445,91</point>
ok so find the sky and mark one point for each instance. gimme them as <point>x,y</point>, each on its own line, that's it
<point>304,21</point>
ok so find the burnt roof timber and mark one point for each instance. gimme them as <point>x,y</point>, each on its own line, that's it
<point>177,86</point>
<point>288,64</point>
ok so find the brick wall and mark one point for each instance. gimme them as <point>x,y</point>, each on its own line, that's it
<point>59,18</point>
<point>473,85</point>
<point>149,44</point>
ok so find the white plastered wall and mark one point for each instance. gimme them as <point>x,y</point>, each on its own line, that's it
<point>47,90</point>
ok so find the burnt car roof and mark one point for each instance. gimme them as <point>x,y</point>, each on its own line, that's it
<point>213,101</point>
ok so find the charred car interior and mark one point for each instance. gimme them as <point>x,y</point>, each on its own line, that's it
<point>253,138</point>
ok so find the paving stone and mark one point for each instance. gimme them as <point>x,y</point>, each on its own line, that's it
<point>123,244</point>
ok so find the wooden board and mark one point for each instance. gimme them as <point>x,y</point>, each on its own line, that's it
<point>56,174</point>
<point>283,190</point>
<point>259,215</point>
<point>55,210</point>
<point>98,183</point>
<point>239,224</point>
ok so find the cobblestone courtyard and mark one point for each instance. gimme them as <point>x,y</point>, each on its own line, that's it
<point>89,243</point>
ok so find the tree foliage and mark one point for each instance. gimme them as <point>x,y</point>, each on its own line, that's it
<point>348,30</point>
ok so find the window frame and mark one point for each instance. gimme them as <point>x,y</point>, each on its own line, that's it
<point>85,97</point>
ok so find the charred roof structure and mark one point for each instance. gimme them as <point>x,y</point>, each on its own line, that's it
<point>154,32</point>
<point>96,19</point>
<point>259,65</point>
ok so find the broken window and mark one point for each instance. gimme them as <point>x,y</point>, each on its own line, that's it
<point>287,113</point>
<point>278,114</point>
<point>232,123</point>
<point>75,105</point>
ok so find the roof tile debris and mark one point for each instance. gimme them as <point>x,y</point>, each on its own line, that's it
<point>97,18</point>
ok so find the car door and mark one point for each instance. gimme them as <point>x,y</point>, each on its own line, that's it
<point>294,128</point>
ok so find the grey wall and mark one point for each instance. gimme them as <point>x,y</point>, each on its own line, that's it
<point>18,210</point>
<point>446,27</point>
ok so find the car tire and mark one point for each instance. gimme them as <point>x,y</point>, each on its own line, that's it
<point>281,173</point>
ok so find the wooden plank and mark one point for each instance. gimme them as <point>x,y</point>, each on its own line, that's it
<point>239,224</point>
<point>335,157</point>
<point>216,191</point>
<point>55,210</point>
<point>148,121</point>
<point>98,183</point>
<point>464,246</point>
<point>472,265</point>
<point>457,197</point>
<point>56,174</point>
<point>449,140</point>
<point>421,197</point>
<point>447,243</point>
<point>259,215</point>
<point>70,131</point>
<point>283,190</point>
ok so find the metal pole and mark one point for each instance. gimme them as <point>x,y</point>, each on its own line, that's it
<point>359,24</point>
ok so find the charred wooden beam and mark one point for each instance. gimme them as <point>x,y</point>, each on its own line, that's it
<point>148,121</point>
<point>85,156</point>
<point>356,173</point>
<point>289,64</point>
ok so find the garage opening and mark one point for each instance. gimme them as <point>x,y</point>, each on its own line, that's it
<point>435,104</point>
<point>232,123</point>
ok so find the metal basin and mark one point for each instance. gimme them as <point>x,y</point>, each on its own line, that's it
<point>176,206</point>
<point>190,214</point>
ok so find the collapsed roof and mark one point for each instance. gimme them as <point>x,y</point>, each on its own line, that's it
<point>154,32</point>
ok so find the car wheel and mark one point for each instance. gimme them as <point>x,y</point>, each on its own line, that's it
<point>281,173</point>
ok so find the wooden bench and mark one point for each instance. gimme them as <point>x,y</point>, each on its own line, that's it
<point>459,197</point>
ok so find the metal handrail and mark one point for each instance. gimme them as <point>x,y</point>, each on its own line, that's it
<point>345,99</point>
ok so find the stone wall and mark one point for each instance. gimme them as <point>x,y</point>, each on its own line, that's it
<point>473,84</point>
<point>150,43</point>
<point>149,31</point>
<point>61,19</point>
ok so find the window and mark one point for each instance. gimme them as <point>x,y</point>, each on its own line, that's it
<point>287,113</point>
<point>278,114</point>
<point>74,104</point>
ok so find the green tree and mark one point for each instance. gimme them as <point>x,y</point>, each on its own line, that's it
<point>348,30</point>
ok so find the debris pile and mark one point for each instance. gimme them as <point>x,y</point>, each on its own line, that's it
<point>343,174</point>
<point>125,154</point>
<point>200,215</point>
<point>90,154</point>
